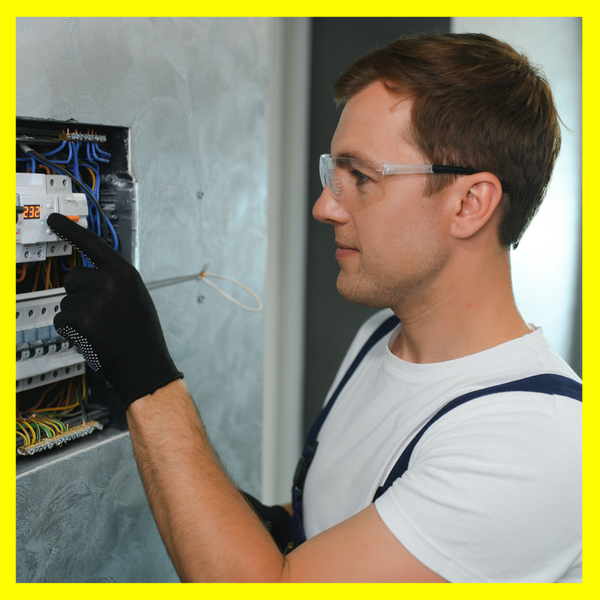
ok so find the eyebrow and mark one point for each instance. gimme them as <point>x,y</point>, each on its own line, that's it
<point>350,154</point>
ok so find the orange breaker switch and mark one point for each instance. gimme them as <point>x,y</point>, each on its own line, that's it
<point>74,218</point>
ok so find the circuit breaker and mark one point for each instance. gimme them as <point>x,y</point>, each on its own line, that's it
<point>39,195</point>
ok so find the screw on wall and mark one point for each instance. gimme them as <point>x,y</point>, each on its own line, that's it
<point>200,195</point>
<point>200,299</point>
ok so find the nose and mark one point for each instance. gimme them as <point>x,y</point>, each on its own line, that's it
<point>329,210</point>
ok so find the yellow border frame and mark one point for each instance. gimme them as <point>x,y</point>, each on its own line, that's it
<point>352,8</point>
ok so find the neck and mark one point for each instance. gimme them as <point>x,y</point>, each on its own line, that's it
<point>464,312</point>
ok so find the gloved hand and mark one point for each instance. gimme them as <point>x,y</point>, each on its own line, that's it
<point>274,518</point>
<point>110,317</point>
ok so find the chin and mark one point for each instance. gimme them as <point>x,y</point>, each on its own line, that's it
<point>361,294</point>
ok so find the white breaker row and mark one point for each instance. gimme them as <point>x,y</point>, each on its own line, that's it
<point>38,196</point>
<point>42,355</point>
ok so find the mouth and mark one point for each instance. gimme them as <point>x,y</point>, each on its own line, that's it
<point>344,251</point>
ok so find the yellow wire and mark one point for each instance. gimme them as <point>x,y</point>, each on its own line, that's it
<point>33,432</point>
<point>26,440</point>
<point>93,178</point>
<point>58,424</point>
<point>24,424</point>
<point>58,408</point>
<point>49,423</point>
<point>24,434</point>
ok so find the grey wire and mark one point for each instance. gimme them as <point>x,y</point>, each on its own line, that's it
<point>152,285</point>
<point>203,275</point>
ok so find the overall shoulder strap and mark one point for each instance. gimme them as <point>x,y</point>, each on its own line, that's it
<point>386,327</point>
<point>544,384</point>
<point>295,534</point>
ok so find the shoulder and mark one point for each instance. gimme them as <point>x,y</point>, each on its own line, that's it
<point>495,474</point>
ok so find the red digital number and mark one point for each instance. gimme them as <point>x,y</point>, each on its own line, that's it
<point>32,211</point>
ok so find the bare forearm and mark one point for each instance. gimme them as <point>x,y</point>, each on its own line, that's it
<point>210,532</point>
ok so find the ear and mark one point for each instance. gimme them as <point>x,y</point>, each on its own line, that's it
<point>476,203</point>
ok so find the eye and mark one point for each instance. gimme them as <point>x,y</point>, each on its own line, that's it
<point>360,178</point>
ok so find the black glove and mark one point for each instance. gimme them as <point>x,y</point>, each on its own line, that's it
<point>274,518</point>
<point>110,317</point>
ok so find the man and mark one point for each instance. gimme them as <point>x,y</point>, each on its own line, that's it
<point>491,491</point>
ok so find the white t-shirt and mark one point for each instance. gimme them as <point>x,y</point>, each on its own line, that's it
<point>493,489</point>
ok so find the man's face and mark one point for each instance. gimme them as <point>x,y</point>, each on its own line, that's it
<point>391,249</point>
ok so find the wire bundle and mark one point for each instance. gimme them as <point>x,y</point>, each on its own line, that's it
<point>35,423</point>
<point>37,426</point>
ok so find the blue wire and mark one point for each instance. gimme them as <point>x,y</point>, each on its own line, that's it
<point>98,153</point>
<point>94,214</point>
<point>76,159</point>
<point>28,160</point>
<point>47,154</point>
<point>95,169</point>
<point>95,193</point>
<point>90,157</point>
<point>62,162</point>
<point>114,233</point>
<point>101,152</point>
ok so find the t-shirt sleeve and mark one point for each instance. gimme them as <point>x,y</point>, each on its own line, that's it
<point>493,492</point>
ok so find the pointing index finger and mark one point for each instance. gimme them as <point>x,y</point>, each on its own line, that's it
<point>87,242</point>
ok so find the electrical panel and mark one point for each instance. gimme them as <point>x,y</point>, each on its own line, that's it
<point>81,171</point>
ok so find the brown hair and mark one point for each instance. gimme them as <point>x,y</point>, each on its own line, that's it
<point>477,103</point>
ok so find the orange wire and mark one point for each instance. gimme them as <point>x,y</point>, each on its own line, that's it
<point>22,273</point>
<point>48,266</point>
<point>41,399</point>
<point>59,397</point>
<point>69,393</point>
<point>37,276</point>
<point>54,273</point>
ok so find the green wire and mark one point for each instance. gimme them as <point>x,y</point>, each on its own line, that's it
<point>48,431</point>
<point>39,433</point>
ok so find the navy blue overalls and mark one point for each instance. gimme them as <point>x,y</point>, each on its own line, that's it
<point>544,384</point>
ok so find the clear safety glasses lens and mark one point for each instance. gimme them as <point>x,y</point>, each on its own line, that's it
<point>351,178</point>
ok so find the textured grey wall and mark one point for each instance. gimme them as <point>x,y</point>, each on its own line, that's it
<point>195,94</point>
<point>86,519</point>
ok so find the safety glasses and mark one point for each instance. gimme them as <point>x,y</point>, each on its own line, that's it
<point>355,179</point>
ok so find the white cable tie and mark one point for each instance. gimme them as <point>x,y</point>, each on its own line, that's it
<point>203,276</point>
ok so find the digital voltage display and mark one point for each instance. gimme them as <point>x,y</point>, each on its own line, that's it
<point>32,211</point>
